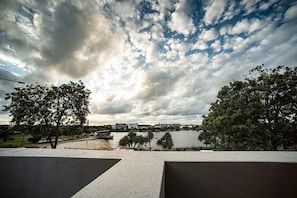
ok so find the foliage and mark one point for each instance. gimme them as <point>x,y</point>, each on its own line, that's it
<point>166,141</point>
<point>134,140</point>
<point>4,132</point>
<point>46,109</point>
<point>34,139</point>
<point>124,141</point>
<point>258,113</point>
<point>150,136</point>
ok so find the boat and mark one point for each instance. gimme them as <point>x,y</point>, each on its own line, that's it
<point>104,135</point>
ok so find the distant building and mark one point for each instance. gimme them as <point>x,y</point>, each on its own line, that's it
<point>187,126</point>
<point>144,127</point>
<point>167,126</point>
<point>132,126</point>
<point>157,126</point>
<point>119,127</point>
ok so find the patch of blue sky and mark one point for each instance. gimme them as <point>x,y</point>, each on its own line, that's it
<point>168,33</point>
<point>121,22</point>
<point>145,7</point>
<point>143,63</point>
<point>11,68</point>
<point>167,15</point>
<point>161,47</point>
<point>195,11</point>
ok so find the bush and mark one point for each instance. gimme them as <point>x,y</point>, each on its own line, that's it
<point>34,139</point>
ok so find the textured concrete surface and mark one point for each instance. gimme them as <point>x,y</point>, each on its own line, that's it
<point>142,174</point>
<point>138,175</point>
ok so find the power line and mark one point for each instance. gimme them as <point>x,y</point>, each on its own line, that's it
<point>20,82</point>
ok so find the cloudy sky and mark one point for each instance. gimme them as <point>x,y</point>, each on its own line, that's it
<point>144,61</point>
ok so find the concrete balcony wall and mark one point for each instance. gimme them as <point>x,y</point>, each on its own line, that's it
<point>230,179</point>
<point>86,173</point>
<point>48,176</point>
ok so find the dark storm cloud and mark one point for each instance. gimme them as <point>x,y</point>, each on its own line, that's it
<point>159,83</point>
<point>68,35</point>
<point>8,80</point>
<point>71,38</point>
<point>79,42</point>
<point>7,86</point>
<point>13,41</point>
<point>115,107</point>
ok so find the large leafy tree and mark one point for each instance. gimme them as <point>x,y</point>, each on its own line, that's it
<point>258,113</point>
<point>166,141</point>
<point>47,108</point>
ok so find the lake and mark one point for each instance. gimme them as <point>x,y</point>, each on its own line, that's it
<point>181,139</point>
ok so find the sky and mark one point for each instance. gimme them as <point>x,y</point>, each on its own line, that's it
<point>144,61</point>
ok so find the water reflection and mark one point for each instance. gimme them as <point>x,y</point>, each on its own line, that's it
<point>181,139</point>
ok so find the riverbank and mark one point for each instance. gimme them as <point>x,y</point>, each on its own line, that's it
<point>87,144</point>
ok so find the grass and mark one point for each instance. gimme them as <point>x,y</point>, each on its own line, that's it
<point>22,141</point>
<point>16,141</point>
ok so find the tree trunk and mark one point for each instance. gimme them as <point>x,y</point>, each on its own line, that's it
<point>51,142</point>
<point>56,138</point>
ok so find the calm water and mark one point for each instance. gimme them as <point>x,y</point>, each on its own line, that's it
<point>181,139</point>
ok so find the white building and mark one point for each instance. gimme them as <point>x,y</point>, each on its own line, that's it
<point>132,126</point>
<point>119,126</point>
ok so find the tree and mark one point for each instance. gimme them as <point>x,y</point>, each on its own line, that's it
<point>49,107</point>
<point>128,140</point>
<point>140,140</point>
<point>133,140</point>
<point>258,113</point>
<point>4,132</point>
<point>124,141</point>
<point>132,136</point>
<point>166,141</point>
<point>150,136</point>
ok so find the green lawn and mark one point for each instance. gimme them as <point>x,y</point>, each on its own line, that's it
<point>22,141</point>
<point>17,141</point>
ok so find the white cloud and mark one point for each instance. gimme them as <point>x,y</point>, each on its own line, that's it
<point>136,70</point>
<point>172,55</point>
<point>216,45</point>
<point>248,26</point>
<point>200,45</point>
<point>266,5</point>
<point>209,35</point>
<point>225,30</point>
<point>249,6</point>
<point>214,11</point>
<point>181,22</point>
<point>124,9</point>
<point>291,14</point>
<point>231,11</point>
<point>255,25</point>
<point>178,46</point>
<point>241,27</point>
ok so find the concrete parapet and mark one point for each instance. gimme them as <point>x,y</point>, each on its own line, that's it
<point>87,173</point>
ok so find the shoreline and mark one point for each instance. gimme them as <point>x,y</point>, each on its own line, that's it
<point>90,144</point>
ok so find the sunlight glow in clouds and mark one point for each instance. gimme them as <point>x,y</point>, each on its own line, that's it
<point>144,61</point>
